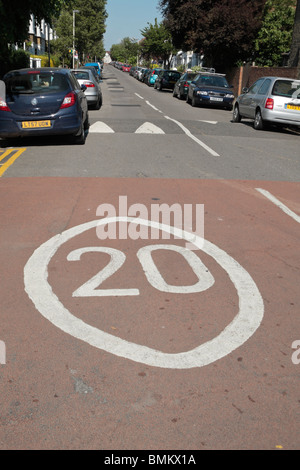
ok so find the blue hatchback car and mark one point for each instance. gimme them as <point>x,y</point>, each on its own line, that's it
<point>43,102</point>
<point>96,66</point>
<point>153,76</point>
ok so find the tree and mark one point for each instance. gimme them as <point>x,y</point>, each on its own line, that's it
<point>225,30</point>
<point>294,59</point>
<point>126,51</point>
<point>64,42</point>
<point>89,30</point>
<point>15,17</point>
<point>14,20</point>
<point>157,42</point>
<point>275,36</point>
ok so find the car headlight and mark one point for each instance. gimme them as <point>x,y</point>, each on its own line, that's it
<point>229,95</point>
<point>202,92</point>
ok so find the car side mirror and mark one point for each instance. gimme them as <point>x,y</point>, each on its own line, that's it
<point>245,90</point>
<point>83,87</point>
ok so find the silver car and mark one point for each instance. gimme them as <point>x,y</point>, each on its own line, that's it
<point>93,91</point>
<point>274,100</point>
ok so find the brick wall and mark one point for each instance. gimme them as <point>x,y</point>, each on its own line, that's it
<point>241,77</point>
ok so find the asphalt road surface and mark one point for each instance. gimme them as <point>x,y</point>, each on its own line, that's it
<point>171,325</point>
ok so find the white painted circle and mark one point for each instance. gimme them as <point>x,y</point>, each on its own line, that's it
<point>242,327</point>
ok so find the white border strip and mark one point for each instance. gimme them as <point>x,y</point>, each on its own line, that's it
<point>279,204</point>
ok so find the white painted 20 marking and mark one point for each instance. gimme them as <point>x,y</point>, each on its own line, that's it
<point>241,328</point>
<point>117,259</point>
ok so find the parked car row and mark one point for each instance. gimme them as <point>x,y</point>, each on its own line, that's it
<point>201,88</point>
<point>270,100</point>
<point>49,101</point>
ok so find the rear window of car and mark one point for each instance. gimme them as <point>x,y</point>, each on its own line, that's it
<point>287,88</point>
<point>36,82</point>
<point>175,75</point>
<point>81,75</point>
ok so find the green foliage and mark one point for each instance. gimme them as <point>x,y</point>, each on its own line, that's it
<point>14,59</point>
<point>14,20</point>
<point>126,51</point>
<point>90,25</point>
<point>157,43</point>
<point>275,35</point>
<point>224,30</point>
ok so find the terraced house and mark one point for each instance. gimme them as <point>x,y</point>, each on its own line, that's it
<point>39,37</point>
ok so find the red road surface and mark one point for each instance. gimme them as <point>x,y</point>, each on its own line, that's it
<point>60,392</point>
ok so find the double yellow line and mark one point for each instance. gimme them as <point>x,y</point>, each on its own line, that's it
<point>12,155</point>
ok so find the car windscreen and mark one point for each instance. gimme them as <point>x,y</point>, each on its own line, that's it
<point>36,82</point>
<point>213,81</point>
<point>287,88</point>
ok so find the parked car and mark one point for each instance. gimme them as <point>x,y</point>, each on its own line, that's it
<point>152,77</point>
<point>147,76</point>
<point>136,72</point>
<point>144,74</point>
<point>42,102</point>
<point>273,100</point>
<point>132,70</point>
<point>182,85</point>
<point>212,89</point>
<point>140,73</point>
<point>166,79</point>
<point>90,67</point>
<point>93,91</point>
<point>126,68</point>
<point>96,66</point>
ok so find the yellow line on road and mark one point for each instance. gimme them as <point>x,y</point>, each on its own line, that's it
<point>11,160</point>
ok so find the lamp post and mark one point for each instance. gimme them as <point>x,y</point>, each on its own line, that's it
<point>74,11</point>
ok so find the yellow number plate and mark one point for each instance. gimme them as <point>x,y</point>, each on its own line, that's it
<point>34,124</point>
<point>292,106</point>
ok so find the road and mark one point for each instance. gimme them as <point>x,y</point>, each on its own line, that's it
<point>133,335</point>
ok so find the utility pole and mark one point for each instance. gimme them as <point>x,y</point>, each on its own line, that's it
<point>74,11</point>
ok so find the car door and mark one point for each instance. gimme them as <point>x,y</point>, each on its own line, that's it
<point>247,100</point>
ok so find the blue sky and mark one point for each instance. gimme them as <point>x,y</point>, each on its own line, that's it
<point>127,17</point>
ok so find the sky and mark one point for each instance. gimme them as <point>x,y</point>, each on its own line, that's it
<point>127,17</point>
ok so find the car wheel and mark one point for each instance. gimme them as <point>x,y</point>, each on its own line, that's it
<point>194,103</point>
<point>99,103</point>
<point>79,139</point>
<point>174,93</point>
<point>187,98</point>
<point>236,117</point>
<point>86,124</point>
<point>258,121</point>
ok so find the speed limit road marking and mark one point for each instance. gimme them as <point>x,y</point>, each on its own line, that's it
<point>242,327</point>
